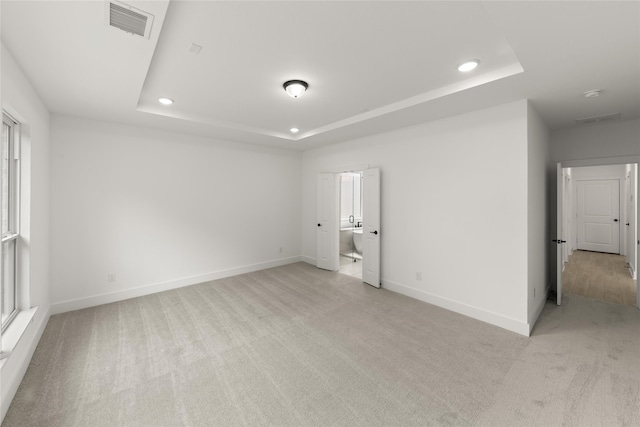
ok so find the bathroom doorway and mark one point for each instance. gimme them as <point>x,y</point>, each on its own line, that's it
<point>363,224</point>
<point>351,223</point>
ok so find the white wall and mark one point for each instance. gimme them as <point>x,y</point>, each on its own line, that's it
<point>454,207</point>
<point>161,210</point>
<point>603,141</point>
<point>20,100</point>
<point>539,237</point>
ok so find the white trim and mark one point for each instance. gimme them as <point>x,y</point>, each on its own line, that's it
<point>18,362</point>
<point>15,213</point>
<point>92,301</point>
<point>495,319</point>
<point>308,259</point>
<point>12,334</point>
<point>348,169</point>
<point>603,161</point>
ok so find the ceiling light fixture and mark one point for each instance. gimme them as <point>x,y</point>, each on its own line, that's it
<point>592,93</point>
<point>165,101</point>
<point>468,66</point>
<point>294,130</point>
<point>295,88</point>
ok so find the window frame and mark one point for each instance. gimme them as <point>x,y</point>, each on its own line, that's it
<point>13,212</point>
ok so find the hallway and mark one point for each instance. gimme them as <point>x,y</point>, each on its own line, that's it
<point>600,276</point>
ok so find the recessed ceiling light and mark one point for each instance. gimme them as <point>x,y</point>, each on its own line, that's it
<point>294,130</point>
<point>295,88</point>
<point>468,66</point>
<point>165,101</point>
<point>592,93</point>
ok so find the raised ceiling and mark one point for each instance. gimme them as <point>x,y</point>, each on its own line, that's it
<point>371,66</point>
<point>361,61</point>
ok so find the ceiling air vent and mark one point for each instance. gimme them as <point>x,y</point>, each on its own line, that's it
<point>129,19</point>
<point>598,119</point>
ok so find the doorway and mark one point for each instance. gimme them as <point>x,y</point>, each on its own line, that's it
<point>599,275</point>
<point>351,224</point>
<point>598,231</point>
<point>330,222</point>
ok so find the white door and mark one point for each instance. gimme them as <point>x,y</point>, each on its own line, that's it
<point>566,223</point>
<point>326,231</point>
<point>371,225</point>
<point>629,238</point>
<point>559,240</point>
<point>598,211</point>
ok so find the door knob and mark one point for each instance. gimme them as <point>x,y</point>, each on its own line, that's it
<point>374,232</point>
<point>627,224</point>
<point>615,220</point>
<point>319,225</point>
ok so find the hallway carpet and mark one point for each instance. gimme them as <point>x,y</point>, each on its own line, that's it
<point>600,276</point>
<point>298,346</point>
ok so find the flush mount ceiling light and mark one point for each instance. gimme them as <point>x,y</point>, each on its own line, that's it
<point>592,93</point>
<point>295,88</point>
<point>469,66</point>
<point>165,101</point>
<point>294,130</point>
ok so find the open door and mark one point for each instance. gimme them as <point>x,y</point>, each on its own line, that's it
<point>326,233</point>
<point>371,225</point>
<point>559,231</point>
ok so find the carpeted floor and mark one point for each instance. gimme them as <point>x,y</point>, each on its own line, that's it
<point>298,346</point>
<point>600,276</point>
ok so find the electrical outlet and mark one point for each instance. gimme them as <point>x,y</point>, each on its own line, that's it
<point>534,292</point>
<point>111,277</point>
<point>418,275</point>
<point>280,250</point>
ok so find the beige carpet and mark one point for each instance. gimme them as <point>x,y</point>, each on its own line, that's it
<point>600,276</point>
<point>298,346</point>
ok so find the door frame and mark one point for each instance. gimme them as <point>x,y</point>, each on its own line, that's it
<point>335,225</point>
<point>604,161</point>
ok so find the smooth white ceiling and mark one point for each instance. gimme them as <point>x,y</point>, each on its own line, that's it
<point>371,66</point>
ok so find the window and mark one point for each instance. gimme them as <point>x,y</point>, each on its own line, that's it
<point>9,219</point>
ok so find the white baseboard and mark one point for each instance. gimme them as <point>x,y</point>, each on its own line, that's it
<point>15,366</point>
<point>538,310</point>
<point>92,301</point>
<point>308,259</point>
<point>495,319</point>
<point>464,309</point>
